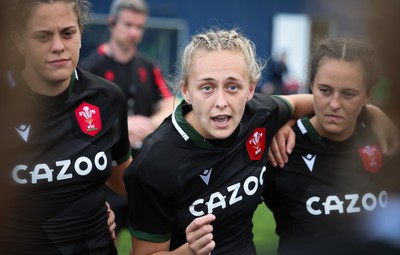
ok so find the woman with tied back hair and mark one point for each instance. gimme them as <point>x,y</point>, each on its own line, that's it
<point>67,137</point>
<point>197,180</point>
<point>336,176</point>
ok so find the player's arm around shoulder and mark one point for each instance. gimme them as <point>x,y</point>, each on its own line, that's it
<point>301,104</point>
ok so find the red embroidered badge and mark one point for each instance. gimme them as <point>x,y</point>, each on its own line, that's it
<point>109,75</point>
<point>142,75</point>
<point>256,143</point>
<point>371,157</point>
<point>88,117</point>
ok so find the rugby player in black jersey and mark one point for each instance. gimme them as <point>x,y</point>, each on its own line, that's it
<point>67,137</point>
<point>209,157</point>
<point>336,178</point>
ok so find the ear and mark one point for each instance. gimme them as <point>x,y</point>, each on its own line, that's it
<point>110,22</point>
<point>185,93</point>
<point>252,91</point>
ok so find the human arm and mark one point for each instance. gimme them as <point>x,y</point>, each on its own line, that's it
<point>385,130</point>
<point>284,140</point>
<point>282,145</point>
<point>199,241</point>
<point>164,108</point>
<point>115,181</point>
<point>111,222</point>
<point>141,126</point>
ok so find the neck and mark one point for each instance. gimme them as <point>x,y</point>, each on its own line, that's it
<point>119,52</point>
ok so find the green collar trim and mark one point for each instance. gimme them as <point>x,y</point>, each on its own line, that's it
<point>185,129</point>
<point>158,238</point>
<point>306,127</point>
<point>72,81</point>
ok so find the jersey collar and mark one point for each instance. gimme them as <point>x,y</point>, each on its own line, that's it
<point>308,129</point>
<point>15,79</point>
<point>185,129</point>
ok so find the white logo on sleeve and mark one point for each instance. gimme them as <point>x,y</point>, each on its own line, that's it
<point>309,160</point>
<point>23,131</point>
<point>205,176</point>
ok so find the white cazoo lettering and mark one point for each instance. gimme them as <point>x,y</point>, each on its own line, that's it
<point>218,200</point>
<point>349,204</point>
<point>82,166</point>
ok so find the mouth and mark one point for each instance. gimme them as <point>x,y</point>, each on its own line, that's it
<point>221,120</point>
<point>333,117</point>
<point>58,62</point>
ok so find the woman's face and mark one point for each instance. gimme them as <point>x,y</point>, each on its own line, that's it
<point>339,95</point>
<point>218,89</point>
<point>50,45</point>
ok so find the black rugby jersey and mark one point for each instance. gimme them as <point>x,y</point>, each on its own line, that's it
<point>60,153</point>
<point>140,79</point>
<point>324,194</point>
<point>178,176</point>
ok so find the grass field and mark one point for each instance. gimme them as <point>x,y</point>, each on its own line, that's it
<point>265,238</point>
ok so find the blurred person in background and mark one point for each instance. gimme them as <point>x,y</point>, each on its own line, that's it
<point>276,71</point>
<point>118,60</point>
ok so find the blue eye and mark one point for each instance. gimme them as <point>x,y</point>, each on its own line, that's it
<point>233,87</point>
<point>206,88</point>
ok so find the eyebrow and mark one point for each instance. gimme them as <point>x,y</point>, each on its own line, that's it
<point>212,79</point>
<point>51,30</point>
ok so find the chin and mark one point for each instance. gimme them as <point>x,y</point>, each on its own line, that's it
<point>60,75</point>
<point>222,135</point>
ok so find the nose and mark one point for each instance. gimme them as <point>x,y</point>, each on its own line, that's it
<point>335,102</point>
<point>58,45</point>
<point>220,101</point>
<point>134,31</point>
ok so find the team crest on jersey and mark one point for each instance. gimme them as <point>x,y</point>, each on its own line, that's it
<point>88,117</point>
<point>142,75</point>
<point>109,75</point>
<point>371,157</point>
<point>256,144</point>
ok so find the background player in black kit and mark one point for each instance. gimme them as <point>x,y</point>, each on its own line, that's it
<point>68,137</point>
<point>118,60</point>
<point>337,177</point>
<point>148,98</point>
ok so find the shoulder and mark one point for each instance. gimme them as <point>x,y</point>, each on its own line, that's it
<point>93,59</point>
<point>91,81</point>
<point>159,158</point>
<point>264,103</point>
<point>143,60</point>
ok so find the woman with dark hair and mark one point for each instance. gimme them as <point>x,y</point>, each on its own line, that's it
<point>67,137</point>
<point>336,176</point>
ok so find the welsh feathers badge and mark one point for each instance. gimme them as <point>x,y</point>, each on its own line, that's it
<point>88,117</point>
<point>371,157</point>
<point>256,144</point>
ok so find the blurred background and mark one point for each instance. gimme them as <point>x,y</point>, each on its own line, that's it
<point>283,30</point>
